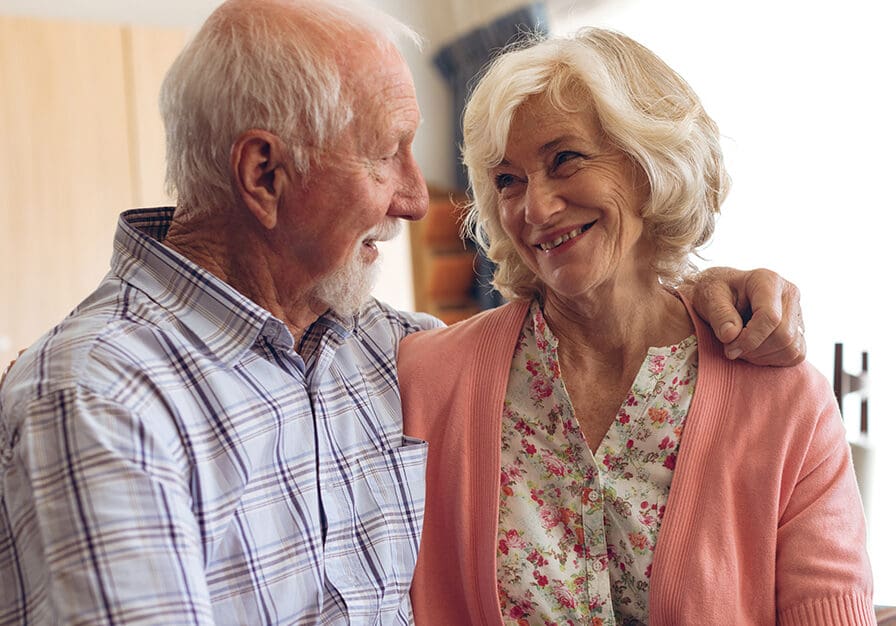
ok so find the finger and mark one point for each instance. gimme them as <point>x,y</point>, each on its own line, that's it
<point>761,330</point>
<point>774,333</point>
<point>716,302</point>
<point>763,295</point>
<point>792,354</point>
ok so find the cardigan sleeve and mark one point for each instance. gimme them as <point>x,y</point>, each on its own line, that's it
<point>823,575</point>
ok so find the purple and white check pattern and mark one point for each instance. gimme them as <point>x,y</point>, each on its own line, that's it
<point>167,457</point>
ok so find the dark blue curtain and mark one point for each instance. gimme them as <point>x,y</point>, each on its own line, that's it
<point>460,63</point>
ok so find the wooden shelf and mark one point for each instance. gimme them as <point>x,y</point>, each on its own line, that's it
<point>443,264</point>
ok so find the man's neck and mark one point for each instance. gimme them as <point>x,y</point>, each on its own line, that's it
<point>238,253</point>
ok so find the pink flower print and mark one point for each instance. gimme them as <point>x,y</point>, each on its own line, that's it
<point>536,494</point>
<point>624,418</point>
<point>648,571</point>
<point>505,484</point>
<point>552,464</point>
<point>554,369</point>
<point>638,541</point>
<point>527,447</point>
<point>630,401</point>
<point>666,443</point>
<point>658,416</point>
<point>513,539</point>
<point>550,516</point>
<point>672,396</point>
<point>630,443</point>
<point>540,579</point>
<point>540,389</point>
<point>516,611</point>
<point>670,462</point>
<point>611,462</point>
<point>532,367</point>
<point>522,427</point>
<point>537,559</point>
<point>563,595</point>
<point>656,364</point>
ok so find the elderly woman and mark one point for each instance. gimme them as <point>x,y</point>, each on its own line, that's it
<point>595,458</point>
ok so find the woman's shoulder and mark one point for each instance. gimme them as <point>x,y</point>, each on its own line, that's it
<point>505,319</point>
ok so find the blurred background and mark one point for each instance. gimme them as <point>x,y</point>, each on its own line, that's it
<point>802,92</point>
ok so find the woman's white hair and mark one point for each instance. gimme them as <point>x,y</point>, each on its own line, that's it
<point>644,107</point>
<point>268,64</point>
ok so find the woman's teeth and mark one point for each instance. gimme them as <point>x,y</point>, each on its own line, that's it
<point>550,245</point>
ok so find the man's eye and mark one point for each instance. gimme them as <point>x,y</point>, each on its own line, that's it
<point>503,180</point>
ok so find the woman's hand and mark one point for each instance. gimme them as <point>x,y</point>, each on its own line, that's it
<point>755,313</point>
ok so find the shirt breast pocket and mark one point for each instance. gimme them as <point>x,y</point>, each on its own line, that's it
<point>387,493</point>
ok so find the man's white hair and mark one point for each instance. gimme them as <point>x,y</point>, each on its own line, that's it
<point>274,65</point>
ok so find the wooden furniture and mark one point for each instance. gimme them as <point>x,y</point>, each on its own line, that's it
<point>846,383</point>
<point>442,260</point>
<point>850,385</point>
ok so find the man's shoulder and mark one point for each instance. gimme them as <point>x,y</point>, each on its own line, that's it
<point>98,345</point>
<point>378,315</point>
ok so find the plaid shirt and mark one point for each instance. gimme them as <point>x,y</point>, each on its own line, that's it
<point>167,457</point>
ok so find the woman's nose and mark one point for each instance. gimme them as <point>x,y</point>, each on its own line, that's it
<point>542,201</point>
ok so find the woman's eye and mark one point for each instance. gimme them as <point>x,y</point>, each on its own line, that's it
<point>503,180</point>
<point>565,157</point>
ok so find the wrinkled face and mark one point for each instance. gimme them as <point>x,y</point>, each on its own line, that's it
<point>363,184</point>
<point>571,201</point>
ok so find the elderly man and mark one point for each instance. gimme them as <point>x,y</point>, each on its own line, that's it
<point>215,434</point>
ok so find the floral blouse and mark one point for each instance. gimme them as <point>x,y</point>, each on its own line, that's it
<point>576,529</point>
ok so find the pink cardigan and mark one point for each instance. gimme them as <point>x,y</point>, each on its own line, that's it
<point>763,522</point>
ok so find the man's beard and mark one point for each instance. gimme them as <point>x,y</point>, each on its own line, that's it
<point>348,287</point>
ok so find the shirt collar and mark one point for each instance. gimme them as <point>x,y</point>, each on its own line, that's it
<point>223,319</point>
<point>545,340</point>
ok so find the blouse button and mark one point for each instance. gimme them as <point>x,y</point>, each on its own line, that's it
<point>594,496</point>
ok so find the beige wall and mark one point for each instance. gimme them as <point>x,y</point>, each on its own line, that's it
<point>77,146</point>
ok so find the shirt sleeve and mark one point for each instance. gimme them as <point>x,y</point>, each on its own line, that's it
<point>822,564</point>
<point>101,519</point>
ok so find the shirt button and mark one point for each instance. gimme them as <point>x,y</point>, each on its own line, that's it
<point>594,496</point>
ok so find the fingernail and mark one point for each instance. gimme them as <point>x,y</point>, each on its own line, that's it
<point>733,354</point>
<point>725,327</point>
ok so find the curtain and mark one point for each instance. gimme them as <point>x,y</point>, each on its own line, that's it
<point>459,63</point>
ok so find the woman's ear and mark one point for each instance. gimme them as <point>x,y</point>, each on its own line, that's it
<point>259,173</point>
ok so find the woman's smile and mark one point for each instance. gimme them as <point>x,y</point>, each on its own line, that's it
<point>555,244</point>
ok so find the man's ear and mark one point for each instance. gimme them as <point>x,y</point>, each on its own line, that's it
<point>260,173</point>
